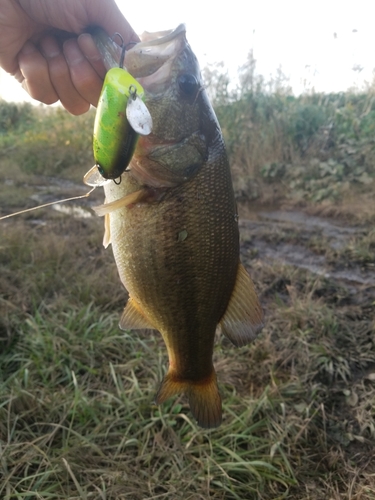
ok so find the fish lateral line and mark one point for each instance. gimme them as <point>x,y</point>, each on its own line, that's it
<point>80,197</point>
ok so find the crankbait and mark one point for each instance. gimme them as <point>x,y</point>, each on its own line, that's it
<point>120,118</point>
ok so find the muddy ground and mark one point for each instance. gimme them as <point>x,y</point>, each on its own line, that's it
<point>292,237</point>
<point>304,241</point>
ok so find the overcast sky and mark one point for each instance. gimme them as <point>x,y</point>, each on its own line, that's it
<point>316,43</point>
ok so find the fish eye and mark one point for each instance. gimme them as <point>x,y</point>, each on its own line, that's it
<point>188,84</point>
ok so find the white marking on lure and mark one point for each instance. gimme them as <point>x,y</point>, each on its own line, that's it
<point>138,115</point>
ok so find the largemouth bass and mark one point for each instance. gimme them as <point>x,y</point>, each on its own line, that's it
<point>173,225</point>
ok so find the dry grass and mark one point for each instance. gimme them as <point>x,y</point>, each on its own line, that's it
<point>76,414</point>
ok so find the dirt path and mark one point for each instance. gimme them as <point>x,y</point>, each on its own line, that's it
<point>307,242</point>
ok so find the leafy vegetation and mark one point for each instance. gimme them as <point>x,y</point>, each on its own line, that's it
<point>45,141</point>
<point>313,146</point>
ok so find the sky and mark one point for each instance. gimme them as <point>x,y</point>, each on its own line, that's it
<point>315,43</point>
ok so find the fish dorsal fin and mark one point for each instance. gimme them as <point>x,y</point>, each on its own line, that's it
<point>132,318</point>
<point>107,232</point>
<point>243,318</point>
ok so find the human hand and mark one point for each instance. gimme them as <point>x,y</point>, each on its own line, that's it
<point>43,44</point>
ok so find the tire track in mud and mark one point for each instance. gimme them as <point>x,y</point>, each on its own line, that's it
<point>292,238</point>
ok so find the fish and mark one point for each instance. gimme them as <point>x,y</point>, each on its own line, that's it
<point>172,221</point>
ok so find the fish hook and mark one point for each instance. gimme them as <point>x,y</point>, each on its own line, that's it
<point>123,47</point>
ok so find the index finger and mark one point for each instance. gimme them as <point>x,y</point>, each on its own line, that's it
<point>92,54</point>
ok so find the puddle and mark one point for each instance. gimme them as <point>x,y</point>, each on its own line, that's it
<point>293,255</point>
<point>309,222</point>
<point>73,210</point>
<point>296,254</point>
<point>256,234</point>
<point>58,189</point>
<point>337,235</point>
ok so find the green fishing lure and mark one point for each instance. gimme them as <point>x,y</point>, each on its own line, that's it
<point>120,118</point>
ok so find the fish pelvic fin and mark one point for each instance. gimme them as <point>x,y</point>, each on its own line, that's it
<point>203,395</point>
<point>243,318</point>
<point>144,195</point>
<point>125,201</point>
<point>132,317</point>
<point>107,232</point>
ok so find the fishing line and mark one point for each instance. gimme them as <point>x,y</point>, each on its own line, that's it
<point>49,204</point>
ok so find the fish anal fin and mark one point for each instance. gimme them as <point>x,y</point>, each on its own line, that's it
<point>204,397</point>
<point>132,318</point>
<point>243,318</point>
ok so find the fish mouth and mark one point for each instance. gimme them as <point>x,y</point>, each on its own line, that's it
<point>154,50</point>
<point>150,61</point>
<point>162,63</point>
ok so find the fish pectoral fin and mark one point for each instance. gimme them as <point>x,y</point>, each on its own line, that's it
<point>132,318</point>
<point>142,195</point>
<point>107,232</point>
<point>204,397</point>
<point>243,318</point>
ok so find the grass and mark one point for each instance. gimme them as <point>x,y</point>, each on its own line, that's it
<point>77,418</point>
<point>76,412</point>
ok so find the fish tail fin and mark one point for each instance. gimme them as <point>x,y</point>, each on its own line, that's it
<point>205,401</point>
<point>204,397</point>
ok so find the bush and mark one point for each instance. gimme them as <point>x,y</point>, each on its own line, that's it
<point>13,116</point>
<point>45,140</point>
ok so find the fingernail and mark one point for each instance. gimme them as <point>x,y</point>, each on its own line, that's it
<point>28,48</point>
<point>88,47</point>
<point>71,52</point>
<point>50,48</point>
<point>84,37</point>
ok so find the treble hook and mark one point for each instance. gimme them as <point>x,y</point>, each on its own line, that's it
<point>123,47</point>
